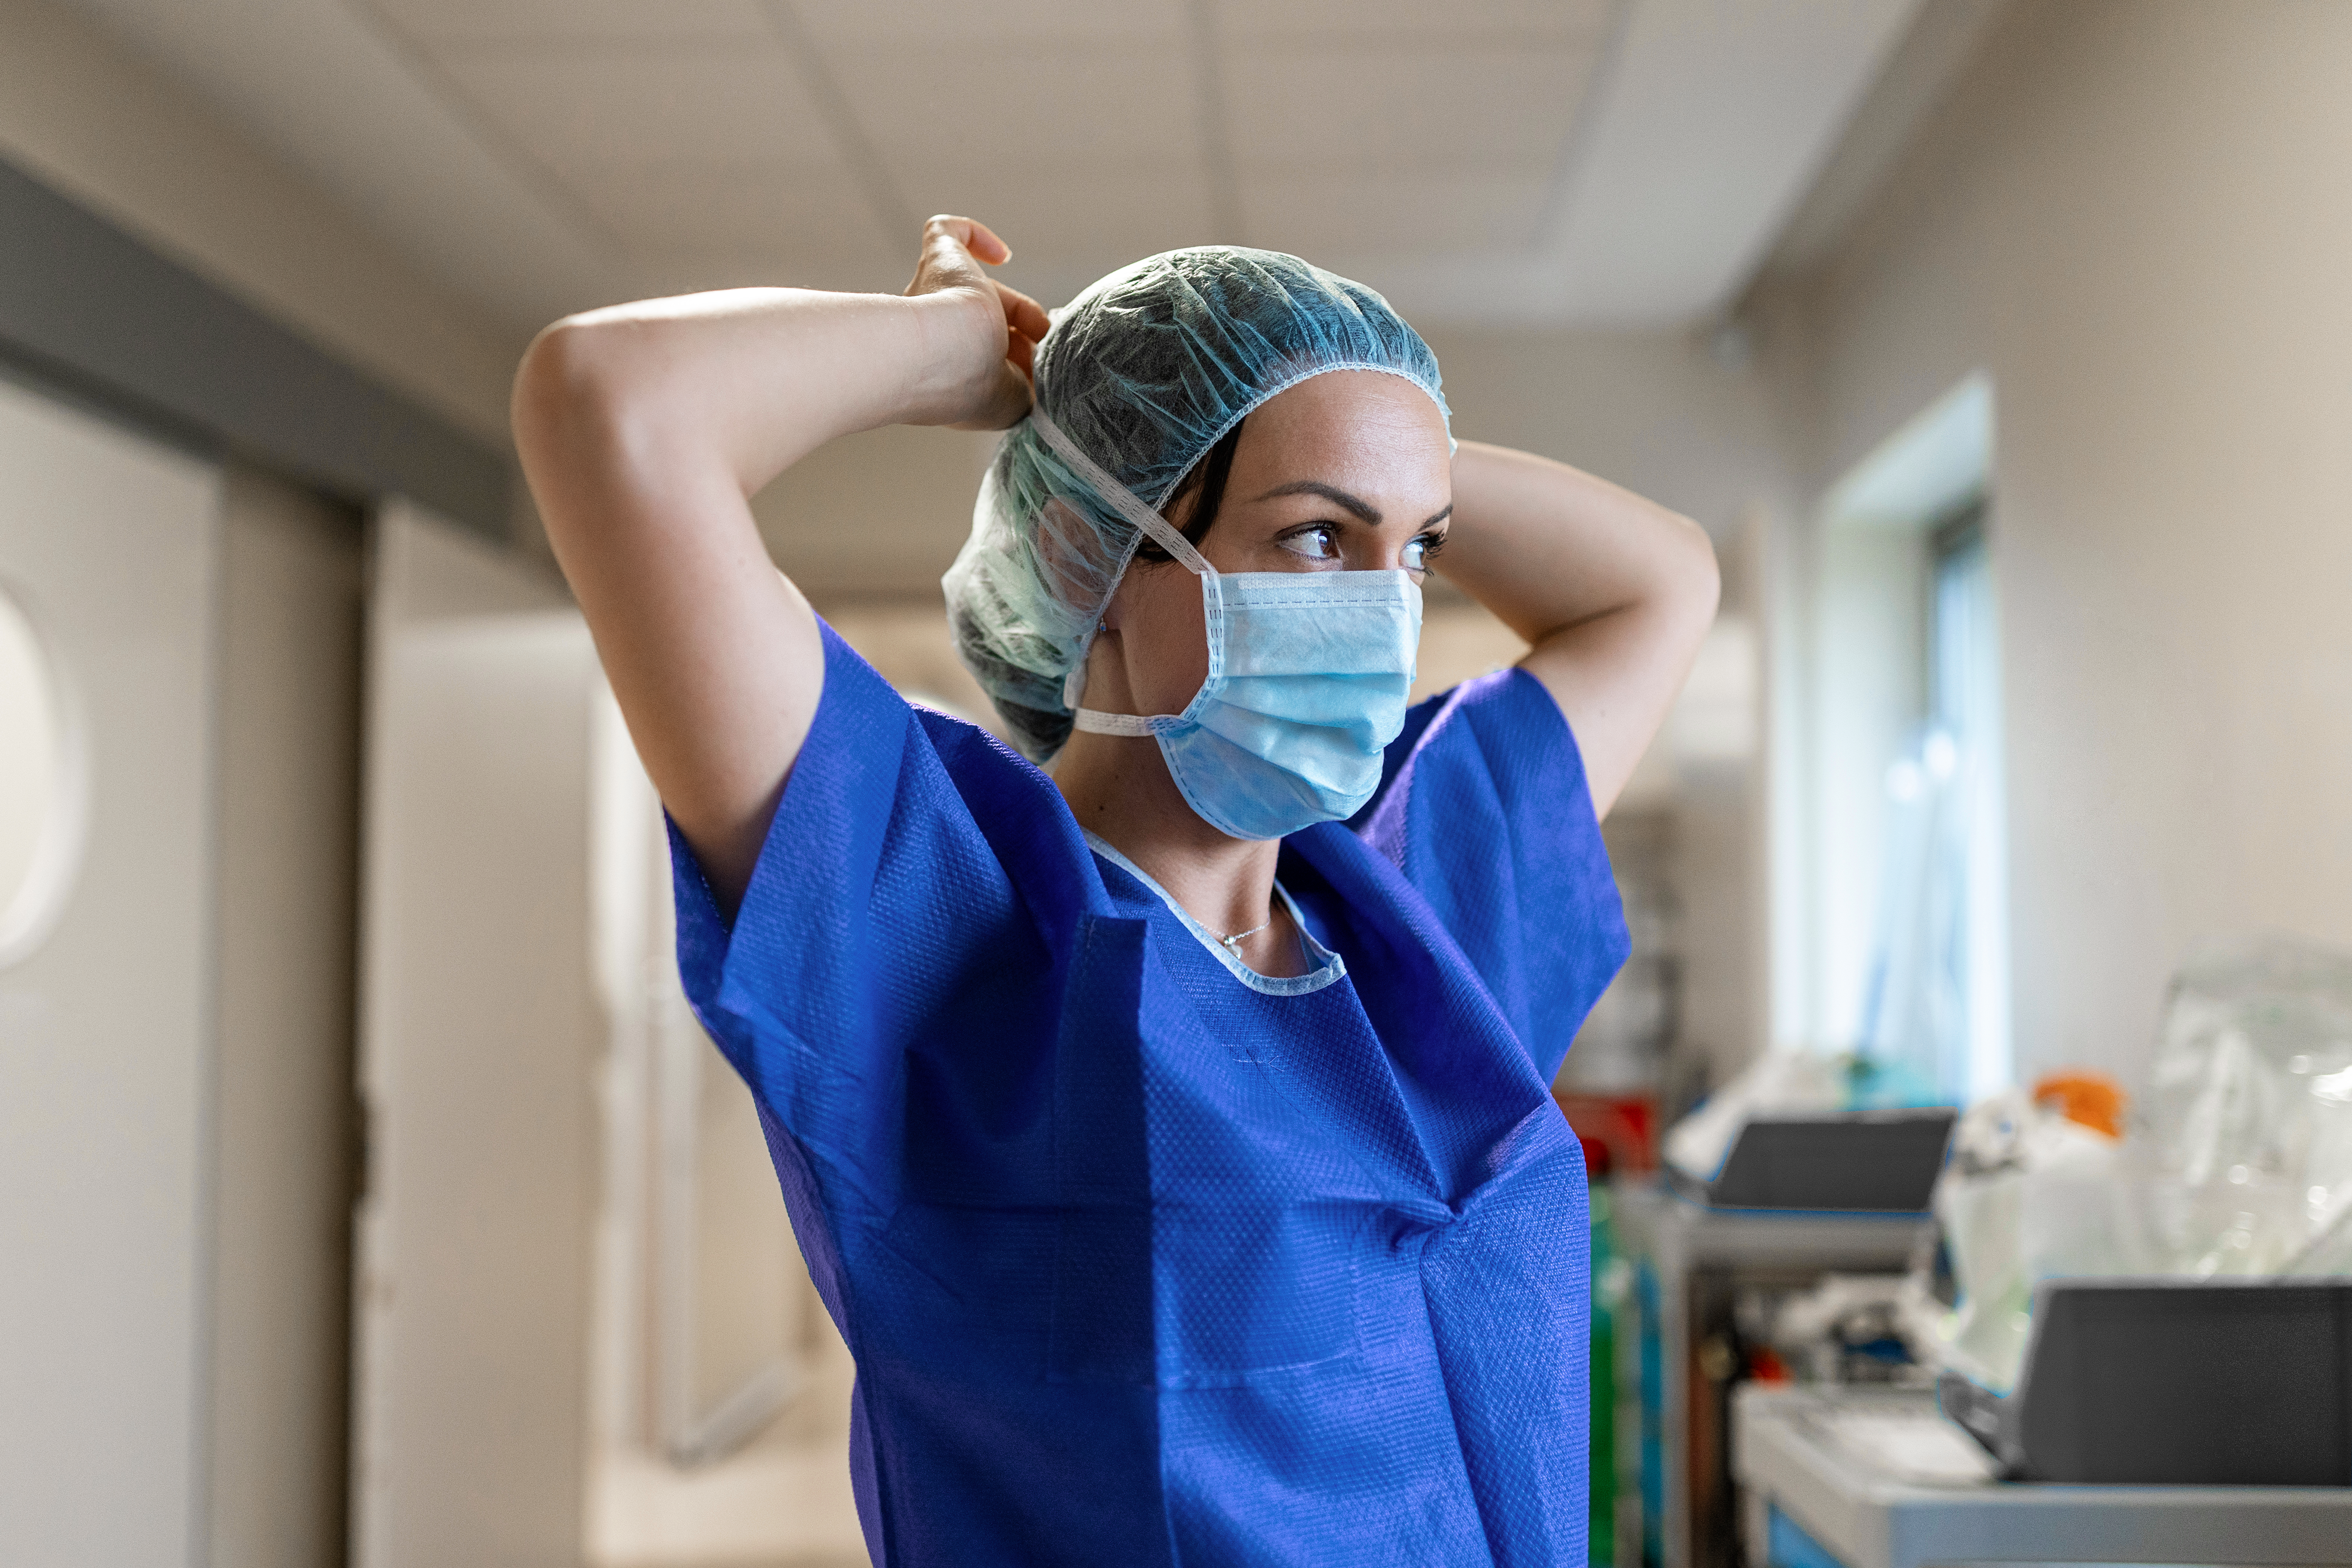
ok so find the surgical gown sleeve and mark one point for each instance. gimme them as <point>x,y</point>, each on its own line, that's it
<point>881,918</point>
<point>1483,807</point>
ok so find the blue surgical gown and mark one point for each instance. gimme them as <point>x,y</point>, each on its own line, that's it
<point>1145,1259</point>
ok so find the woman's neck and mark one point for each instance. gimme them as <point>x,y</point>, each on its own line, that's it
<point>1119,788</point>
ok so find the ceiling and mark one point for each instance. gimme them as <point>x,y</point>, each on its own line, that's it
<point>1623,161</point>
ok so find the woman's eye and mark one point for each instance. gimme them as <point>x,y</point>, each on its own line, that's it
<point>1319,543</point>
<point>1416,556</point>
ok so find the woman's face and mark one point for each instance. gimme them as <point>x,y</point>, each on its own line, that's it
<point>1349,471</point>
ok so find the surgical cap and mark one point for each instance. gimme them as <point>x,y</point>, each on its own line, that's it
<point>1143,372</point>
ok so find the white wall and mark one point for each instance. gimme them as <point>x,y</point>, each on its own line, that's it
<point>105,1026</point>
<point>478,1054</point>
<point>1654,411</point>
<point>82,113</point>
<point>2134,216</point>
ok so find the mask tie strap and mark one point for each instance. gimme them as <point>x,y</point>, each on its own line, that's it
<point>1124,501</point>
<point>1156,527</point>
<point>1094,721</point>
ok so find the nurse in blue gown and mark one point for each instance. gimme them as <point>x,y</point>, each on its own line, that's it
<point>1162,1106</point>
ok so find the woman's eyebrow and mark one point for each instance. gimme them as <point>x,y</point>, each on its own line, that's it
<point>1363,510</point>
<point>1437,518</point>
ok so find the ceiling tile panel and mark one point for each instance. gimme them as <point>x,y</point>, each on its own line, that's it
<point>1083,222</point>
<point>693,271</point>
<point>773,210</point>
<point>936,22</point>
<point>1386,108</point>
<point>1561,21</point>
<point>1068,108</point>
<point>442,22</point>
<point>579,112</point>
<point>1343,219</point>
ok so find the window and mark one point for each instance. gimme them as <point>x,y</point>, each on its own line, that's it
<point>40,786</point>
<point>1891,927</point>
<point>1937,1006</point>
<point>1964,685</point>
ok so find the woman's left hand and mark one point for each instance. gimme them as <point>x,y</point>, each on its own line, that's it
<point>1613,591</point>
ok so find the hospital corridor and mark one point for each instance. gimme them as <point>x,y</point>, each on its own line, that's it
<point>1194,784</point>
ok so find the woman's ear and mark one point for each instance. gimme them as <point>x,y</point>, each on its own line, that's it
<point>1071,551</point>
<point>1114,613</point>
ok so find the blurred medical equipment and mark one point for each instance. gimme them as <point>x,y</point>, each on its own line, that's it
<point>1614,1418</point>
<point>1143,372</point>
<point>1858,1478</point>
<point>1793,1199</point>
<point>2031,1191</point>
<point>1847,1328</point>
<point>1717,1285</point>
<point>1783,1083</point>
<point>1800,1131</point>
<point>1862,1161</point>
<point>2181,1381</point>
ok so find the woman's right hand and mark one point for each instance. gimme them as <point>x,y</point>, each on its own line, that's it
<point>991,332</point>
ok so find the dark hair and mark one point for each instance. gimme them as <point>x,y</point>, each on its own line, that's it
<point>1206,481</point>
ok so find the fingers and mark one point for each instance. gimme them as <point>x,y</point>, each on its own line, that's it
<point>973,235</point>
<point>1024,315</point>
<point>1025,324</point>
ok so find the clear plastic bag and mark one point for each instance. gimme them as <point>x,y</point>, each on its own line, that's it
<point>2249,1110</point>
<point>2240,1161</point>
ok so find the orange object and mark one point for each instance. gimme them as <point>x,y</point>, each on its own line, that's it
<point>2092,1098</point>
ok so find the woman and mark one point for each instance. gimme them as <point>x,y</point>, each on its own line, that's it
<point>1177,1161</point>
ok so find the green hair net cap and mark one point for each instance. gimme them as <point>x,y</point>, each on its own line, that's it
<point>1143,372</point>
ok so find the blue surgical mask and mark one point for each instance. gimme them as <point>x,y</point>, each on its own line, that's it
<point>1308,676</point>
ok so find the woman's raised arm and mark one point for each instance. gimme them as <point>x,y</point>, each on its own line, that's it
<point>1613,592</point>
<point>644,429</point>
